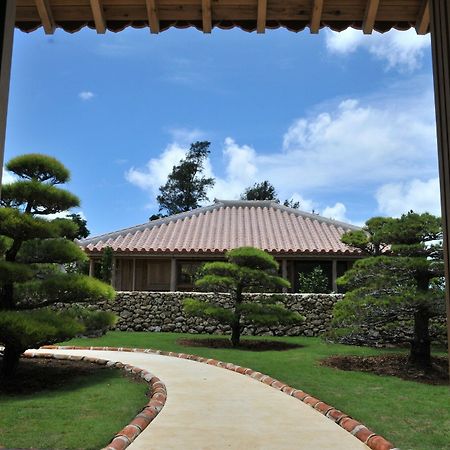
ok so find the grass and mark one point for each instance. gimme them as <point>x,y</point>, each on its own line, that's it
<point>413,416</point>
<point>85,413</point>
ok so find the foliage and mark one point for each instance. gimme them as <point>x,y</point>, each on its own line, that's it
<point>247,270</point>
<point>314,282</point>
<point>33,249</point>
<point>186,187</point>
<point>261,191</point>
<point>266,191</point>
<point>106,265</point>
<point>404,270</point>
<point>83,231</point>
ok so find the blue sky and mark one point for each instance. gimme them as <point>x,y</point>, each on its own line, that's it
<point>342,122</point>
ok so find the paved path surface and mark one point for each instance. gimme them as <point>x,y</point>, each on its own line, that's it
<point>209,408</point>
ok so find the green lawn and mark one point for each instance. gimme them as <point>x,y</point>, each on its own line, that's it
<point>412,415</point>
<point>84,414</point>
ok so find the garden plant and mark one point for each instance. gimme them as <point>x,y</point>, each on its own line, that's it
<point>247,270</point>
<point>403,273</point>
<point>34,247</point>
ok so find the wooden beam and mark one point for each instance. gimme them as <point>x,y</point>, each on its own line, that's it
<point>7,21</point>
<point>440,46</point>
<point>262,17</point>
<point>153,17</point>
<point>370,16</point>
<point>206,16</point>
<point>99,17</point>
<point>423,19</point>
<point>45,13</point>
<point>316,16</point>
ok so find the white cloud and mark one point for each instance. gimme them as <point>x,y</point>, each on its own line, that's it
<point>336,212</point>
<point>86,95</point>
<point>401,50</point>
<point>7,177</point>
<point>420,196</point>
<point>157,169</point>
<point>350,148</point>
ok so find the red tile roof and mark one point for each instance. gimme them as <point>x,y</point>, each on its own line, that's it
<point>229,224</point>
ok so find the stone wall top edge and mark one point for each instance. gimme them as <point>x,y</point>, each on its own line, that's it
<point>226,293</point>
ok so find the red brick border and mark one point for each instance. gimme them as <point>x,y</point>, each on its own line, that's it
<point>364,434</point>
<point>158,397</point>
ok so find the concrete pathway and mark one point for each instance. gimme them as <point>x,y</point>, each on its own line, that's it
<point>209,408</point>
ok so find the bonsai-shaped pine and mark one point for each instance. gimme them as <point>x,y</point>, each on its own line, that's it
<point>314,282</point>
<point>33,249</point>
<point>403,273</point>
<point>247,270</point>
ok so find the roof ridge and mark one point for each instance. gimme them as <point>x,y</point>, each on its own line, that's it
<point>298,212</point>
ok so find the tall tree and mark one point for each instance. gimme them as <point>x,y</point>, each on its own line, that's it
<point>404,272</point>
<point>32,252</point>
<point>261,191</point>
<point>186,186</point>
<point>266,191</point>
<point>247,269</point>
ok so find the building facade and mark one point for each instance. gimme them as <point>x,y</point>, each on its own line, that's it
<point>164,254</point>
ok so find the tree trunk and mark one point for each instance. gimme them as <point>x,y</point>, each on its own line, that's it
<point>420,354</point>
<point>11,357</point>
<point>236,325</point>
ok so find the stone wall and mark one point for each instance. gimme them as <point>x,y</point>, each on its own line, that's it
<point>163,311</point>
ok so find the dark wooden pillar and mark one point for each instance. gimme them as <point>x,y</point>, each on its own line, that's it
<point>440,39</point>
<point>7,21</point>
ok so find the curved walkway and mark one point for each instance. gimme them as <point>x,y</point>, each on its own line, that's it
<point>211,408</point>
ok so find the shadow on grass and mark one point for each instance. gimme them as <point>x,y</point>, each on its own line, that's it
<point>253,345</point>
<point>36,376</point>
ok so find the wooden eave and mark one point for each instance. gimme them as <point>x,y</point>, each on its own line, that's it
<point>249,15</point>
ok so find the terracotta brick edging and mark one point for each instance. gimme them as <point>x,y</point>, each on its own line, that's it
<point>126,436</point>
<point>158,396</point>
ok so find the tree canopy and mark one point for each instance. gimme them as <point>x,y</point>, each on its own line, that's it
<point>403,271</point>
<point>33,248</point>
<point>266,191</point>
<point>246,270</point>
<point>186,187</point>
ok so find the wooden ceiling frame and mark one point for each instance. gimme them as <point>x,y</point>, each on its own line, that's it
<point>370,16</point>
<point>423,19</point>
<point>99,17</point>
<point>46,15</point>
<point>316,16</point>
<point>153,17</point>
<point>206,16</point>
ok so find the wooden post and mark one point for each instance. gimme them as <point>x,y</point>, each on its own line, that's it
<point>91,267</point>
<point>334,275</point>
<point>173,274</point>
<point>440,41</point>
<point>284,271</point>
<point>7,21</point>
<point>113,272</point>
<point>133,281</point>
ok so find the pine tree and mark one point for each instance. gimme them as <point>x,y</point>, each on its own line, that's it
<point>247,269</point>
<point>266,191</point>
<point>33,251</point>
<point>186,187</point>
<point>404,272</point>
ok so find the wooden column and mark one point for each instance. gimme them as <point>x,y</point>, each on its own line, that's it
<point>7,21</point>
<point>113,272</point>
<point>334,275</point>
<point>440,40</point>
<point>133,281</point>
<point>284,271</point>
<point>173,274</point>
<point>91,267</point>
